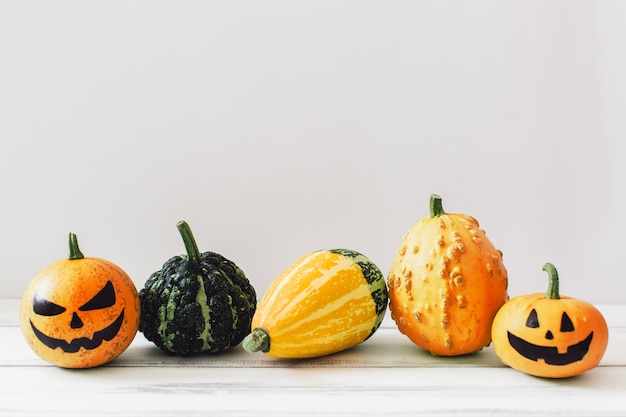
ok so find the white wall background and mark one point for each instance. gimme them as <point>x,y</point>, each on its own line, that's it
<point>276,128</point>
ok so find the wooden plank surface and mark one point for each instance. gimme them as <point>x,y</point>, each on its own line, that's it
<point>386,375</point>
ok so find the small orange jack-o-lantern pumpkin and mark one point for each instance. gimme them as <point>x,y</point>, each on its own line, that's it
<point>549,335</point>
<point>79,312</point>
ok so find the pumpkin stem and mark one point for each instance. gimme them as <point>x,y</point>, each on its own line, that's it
<point>193,253</point>
<point>257,341</point>
<point>436,207</point>
<point>75,252</point>
<point>553,284</point>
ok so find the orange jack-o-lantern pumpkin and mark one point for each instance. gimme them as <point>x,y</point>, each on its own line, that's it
<point>549,335</point>
<point>80,312</point>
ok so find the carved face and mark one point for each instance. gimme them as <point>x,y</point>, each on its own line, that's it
<point>80,313</point>
<point>549,337</point>
<point>547,351</point>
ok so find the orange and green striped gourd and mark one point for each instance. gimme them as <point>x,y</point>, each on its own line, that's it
<point>327,301</point>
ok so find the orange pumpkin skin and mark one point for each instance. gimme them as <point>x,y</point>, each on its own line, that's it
<point>446,284</point>
<point>549,337</point>
<point>80,313</point>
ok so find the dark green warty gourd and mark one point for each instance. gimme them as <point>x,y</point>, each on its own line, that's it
<point>198,302</point>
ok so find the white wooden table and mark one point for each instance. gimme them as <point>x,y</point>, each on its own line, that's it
<point>385,376</point>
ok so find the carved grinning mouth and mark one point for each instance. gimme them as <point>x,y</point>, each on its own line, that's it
<point>550,354</point>
<point>74,346</point>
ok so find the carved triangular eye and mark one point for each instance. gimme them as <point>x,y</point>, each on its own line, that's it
<point>566,323</point>
<point>532,320</point>
<point>47,308</point>
<point>105,298</point>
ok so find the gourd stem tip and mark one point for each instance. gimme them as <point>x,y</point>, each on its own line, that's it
<point>75,252</point>
<point>257,341</point>
<point>436,206</point>
<point>553,283</point>
<point>191,247</point>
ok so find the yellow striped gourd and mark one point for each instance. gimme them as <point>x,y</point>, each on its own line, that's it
<point>326,302</point>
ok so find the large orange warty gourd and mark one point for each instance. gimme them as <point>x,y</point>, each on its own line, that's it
<point>447,283</point>
<point>79,312</point>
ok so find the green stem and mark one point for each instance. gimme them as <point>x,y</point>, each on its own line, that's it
<point>190,242</point>
<point>436,207</point>
<point>75,252</point>
<point>553,284</point>
<point>257,341</point>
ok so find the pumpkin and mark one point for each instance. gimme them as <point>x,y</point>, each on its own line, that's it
<point>446,283</point>
<point>197,302</point>
<point>79,312</point>
<point>549,335</point>
<point>325,302</point>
